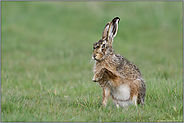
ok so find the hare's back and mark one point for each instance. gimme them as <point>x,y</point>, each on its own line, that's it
<point>127,68</point>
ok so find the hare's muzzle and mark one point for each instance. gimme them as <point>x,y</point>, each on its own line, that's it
<point>94,56</point>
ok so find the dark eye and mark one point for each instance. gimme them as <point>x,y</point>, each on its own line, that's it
<point>103,45</point>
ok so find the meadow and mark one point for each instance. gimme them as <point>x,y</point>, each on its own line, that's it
<point>46,65</point>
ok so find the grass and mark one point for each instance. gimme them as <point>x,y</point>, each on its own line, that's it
<point>46,66</point>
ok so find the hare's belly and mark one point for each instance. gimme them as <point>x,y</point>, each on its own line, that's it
<point>121,95</point>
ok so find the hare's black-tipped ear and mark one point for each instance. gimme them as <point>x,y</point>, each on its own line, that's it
<point>105,31</point>
<point>113,28</point>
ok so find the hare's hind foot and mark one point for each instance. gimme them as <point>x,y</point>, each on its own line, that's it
<point>126,103</point>
<point>122,103</point>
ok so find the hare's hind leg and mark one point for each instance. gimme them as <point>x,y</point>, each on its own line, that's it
<point>106,94</point>
<point>134,93</point>
<point>134,100</point>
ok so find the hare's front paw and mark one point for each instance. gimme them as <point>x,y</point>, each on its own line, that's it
<point>96,79</point>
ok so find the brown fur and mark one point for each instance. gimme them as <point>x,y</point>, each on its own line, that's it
<point>118,77</point>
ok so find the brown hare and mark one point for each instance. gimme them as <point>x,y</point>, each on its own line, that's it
<point>118,77</point>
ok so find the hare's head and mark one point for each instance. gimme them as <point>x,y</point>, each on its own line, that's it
<point>103,47</point>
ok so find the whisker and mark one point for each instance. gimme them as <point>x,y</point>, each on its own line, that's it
<point>89,61</point>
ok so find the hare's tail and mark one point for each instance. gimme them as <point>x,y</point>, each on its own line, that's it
<point>142,92</point>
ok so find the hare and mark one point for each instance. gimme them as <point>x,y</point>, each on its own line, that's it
<point>118,77</point>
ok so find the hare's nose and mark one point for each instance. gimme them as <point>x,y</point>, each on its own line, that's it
<point>94,56</point>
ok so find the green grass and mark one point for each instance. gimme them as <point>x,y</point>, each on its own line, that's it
<point>46,66</point>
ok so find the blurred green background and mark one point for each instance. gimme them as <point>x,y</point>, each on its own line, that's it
<point>46,65</point>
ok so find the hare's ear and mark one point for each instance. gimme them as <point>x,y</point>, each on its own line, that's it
<point>113,28</point>
<point>105,31</point>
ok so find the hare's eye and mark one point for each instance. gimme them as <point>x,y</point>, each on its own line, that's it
<point>103,45</point>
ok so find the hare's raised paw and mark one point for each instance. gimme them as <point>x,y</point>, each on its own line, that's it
<point>103,70</point>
